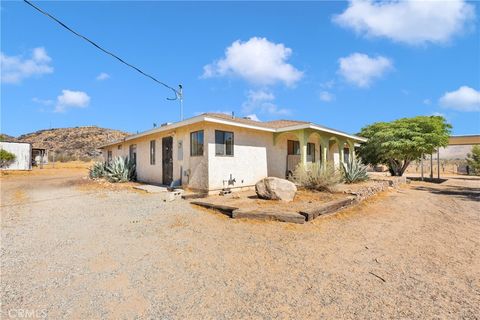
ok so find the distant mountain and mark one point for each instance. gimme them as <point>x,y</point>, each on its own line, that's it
<point>79,143</point>
<point>7,138</point>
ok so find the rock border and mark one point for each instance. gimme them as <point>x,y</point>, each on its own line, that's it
<point>303,216</point>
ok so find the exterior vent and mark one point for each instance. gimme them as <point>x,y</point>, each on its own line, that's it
<point>165,124</point>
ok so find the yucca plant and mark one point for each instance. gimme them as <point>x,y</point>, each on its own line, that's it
<point>354,171</point>
<point>120,170</point>
<point>314,176</point>
<point>98,170</point>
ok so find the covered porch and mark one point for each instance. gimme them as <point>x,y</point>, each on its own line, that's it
<point>316,145</point>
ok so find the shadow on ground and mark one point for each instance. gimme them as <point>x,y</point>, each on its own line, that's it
<point>430,180</point>
<point>464,193</point>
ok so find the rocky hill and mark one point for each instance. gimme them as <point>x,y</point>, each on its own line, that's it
<point>79,143</point>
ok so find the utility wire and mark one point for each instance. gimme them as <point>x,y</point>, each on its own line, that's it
<point>178,94</point>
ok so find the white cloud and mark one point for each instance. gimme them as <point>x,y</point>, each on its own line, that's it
<point>463,99</point>
<point>69,98</point>
<point>45,102</point>
<point>263,102</point>
<point>15,68</point>
<point>439,114</point>
<point>326,96</point>
<point>253,117</point>
<point>427,102</point>
<point>361,70</point>
<point>327,84</point>
<point>407,21</point>
<point>103,76</point>
<point>258,61</point>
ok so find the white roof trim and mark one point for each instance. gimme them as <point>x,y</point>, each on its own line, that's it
<point>206,118</point>
<point>320,128</point>
<point>238,124</point>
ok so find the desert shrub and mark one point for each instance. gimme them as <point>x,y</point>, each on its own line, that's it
<point>98,170</point>
<point>63,157</point>
<point>6,158</point>
<point>354,171</point>
<point>314,177</point>
<point>120,170</point>
<point>84,158</point>
<point>473,160</point>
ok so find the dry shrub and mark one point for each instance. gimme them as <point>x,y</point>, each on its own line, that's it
<point>313,176</point>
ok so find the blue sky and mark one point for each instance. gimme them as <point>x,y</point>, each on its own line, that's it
<point>339,64</point>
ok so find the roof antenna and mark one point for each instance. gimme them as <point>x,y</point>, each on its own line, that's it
<point>179,96</point>
<point>233,115</point>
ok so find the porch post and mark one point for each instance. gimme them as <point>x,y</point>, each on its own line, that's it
<point>341,146</point>
<point>303,139</point>
<point>324,144</point>
<point>351,150</point>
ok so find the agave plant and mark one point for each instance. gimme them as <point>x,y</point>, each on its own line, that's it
<point>354,171</point>
<point>121,170</point>
<point>98,170</point>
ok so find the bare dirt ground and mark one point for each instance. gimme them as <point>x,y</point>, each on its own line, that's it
<point>72,250</point>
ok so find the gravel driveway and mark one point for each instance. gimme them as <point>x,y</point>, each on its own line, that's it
<point>74,252</point>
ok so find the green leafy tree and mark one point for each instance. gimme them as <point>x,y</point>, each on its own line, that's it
<point>6,158</point>
<point>397,143</point>
<point>473,160</point>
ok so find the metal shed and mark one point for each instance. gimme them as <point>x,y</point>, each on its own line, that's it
<point>23,155</point>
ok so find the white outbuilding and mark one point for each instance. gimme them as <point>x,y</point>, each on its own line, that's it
<point>23,155</point>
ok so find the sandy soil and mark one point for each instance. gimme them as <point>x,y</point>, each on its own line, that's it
<point>304,200</point>
<point>72,252</point>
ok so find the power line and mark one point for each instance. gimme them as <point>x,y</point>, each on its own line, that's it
<point>178,93</point>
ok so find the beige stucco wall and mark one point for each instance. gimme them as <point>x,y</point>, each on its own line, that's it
<point>191,172</point>
<point>255,157</point>
<point>246,166</point>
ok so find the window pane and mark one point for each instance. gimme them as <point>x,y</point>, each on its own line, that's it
<point>200,143</point>
<point>152,152</point>
<point>229,143</point>
<point>196,143</point>
<point>219,143</point>
<point>311,151</point>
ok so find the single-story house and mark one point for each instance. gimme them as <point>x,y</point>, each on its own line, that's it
<point>213,151</point>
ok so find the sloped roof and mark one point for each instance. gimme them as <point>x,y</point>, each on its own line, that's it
<point>274,124</point>
<point>271,126</point>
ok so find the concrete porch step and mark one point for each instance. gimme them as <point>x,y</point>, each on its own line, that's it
<point>163,193</point>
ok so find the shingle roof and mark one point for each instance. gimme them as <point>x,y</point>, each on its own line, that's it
<point>274,124</point>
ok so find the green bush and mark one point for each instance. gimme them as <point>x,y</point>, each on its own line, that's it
<point>473,160</point>
<point>98,170</point>
<point>313,176</point>
<point>121,170</point>
<point>354,171</point>
<point>118,170</point>
<point>6,158</point>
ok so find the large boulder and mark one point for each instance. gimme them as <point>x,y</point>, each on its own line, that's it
<point>272,188</point>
